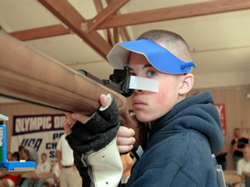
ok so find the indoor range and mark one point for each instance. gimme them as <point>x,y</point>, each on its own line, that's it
<point>124,93</point>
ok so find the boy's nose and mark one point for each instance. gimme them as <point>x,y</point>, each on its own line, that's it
<point>139,91</point>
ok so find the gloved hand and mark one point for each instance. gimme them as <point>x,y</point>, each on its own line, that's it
<point>98,131</point>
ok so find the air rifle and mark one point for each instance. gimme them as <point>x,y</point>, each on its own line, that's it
<point>28,75</point>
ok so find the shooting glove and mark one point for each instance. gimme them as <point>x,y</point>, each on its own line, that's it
<point>100,129</point>
<point>95,151</point>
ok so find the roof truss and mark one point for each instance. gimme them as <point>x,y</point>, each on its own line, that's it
<point>108,19</point>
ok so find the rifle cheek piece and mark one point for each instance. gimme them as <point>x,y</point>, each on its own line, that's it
<point>118,81</point>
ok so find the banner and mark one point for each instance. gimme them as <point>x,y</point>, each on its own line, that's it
<point>222,113</point>
<point>41,132</point>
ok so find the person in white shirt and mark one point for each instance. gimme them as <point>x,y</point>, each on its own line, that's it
<point>69,176</point>
<point>243,165</point>
<point>41,167</point>
<point>55,181</point>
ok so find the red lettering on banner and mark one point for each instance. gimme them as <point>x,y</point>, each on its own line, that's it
<point>222,114</point>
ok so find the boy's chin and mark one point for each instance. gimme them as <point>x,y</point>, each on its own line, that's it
<point>144,118</point>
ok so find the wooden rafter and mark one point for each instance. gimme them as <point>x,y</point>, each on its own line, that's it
<point>115,35</point>
<point>65,12</point>
<point>122,30</point>
<point>124,34</point>
<point>38,33</point>
<point>99,8</point>
<point>99,18</point>
<point>176,12</point>
<point>74,21</point>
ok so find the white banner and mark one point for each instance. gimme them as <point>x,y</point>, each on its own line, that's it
<point>40,132</point>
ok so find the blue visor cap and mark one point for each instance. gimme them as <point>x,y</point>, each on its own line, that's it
<point>158,56</point>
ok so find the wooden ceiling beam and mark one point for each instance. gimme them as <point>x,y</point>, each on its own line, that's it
<point>65,12</point>
<point>124,34</point>
<point>99,8</point>
<point>121,31</point>
<point>115,35</point>
<point>176,12</point>
<point>42,32</point>
<point>100,17</point>
<point>74,20</point>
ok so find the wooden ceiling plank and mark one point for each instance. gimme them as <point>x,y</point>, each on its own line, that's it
<point>110,1</point>
<point>176,12</point>
<point>124,34</point>
<point>116,35</point>
<point>110,37</point>
<point>42,32</point>
<point>65,12</point>
<point>107,32</point>
<point>121,30</point>
<point>110,10</point>
<point>99,8</point>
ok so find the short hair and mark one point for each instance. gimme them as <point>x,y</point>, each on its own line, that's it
<point>44,154</point>
<point>20,147</point>
<point>27,151</point>
<point>171,41</point>
<point>16,154</point>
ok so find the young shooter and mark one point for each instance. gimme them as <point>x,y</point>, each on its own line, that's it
<point>184,134</point>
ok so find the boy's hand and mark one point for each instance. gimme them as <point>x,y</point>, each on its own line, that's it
<point>72,118</point>
<point>95,132</point>
<point>125,139</point>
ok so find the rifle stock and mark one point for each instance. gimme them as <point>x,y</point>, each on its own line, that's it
<point>31,76</point>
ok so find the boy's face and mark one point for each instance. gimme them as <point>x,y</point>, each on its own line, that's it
<point>149,106</point>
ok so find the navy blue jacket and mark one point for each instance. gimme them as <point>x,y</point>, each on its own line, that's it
<point>180,147</point>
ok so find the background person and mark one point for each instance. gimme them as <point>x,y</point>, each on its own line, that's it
<point>69,176</point>
<point>44,166</point>
<point>10,180</point>
<point>243,165</point>
<point>221,158</point>
<point>9,155</point>
<point>33,156</point>
<point>237,146</point>
<point>55,181</point>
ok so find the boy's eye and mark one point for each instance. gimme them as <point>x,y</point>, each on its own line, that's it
<point>151,73</point>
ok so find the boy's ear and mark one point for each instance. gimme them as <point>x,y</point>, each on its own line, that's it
<point>187,84</point>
